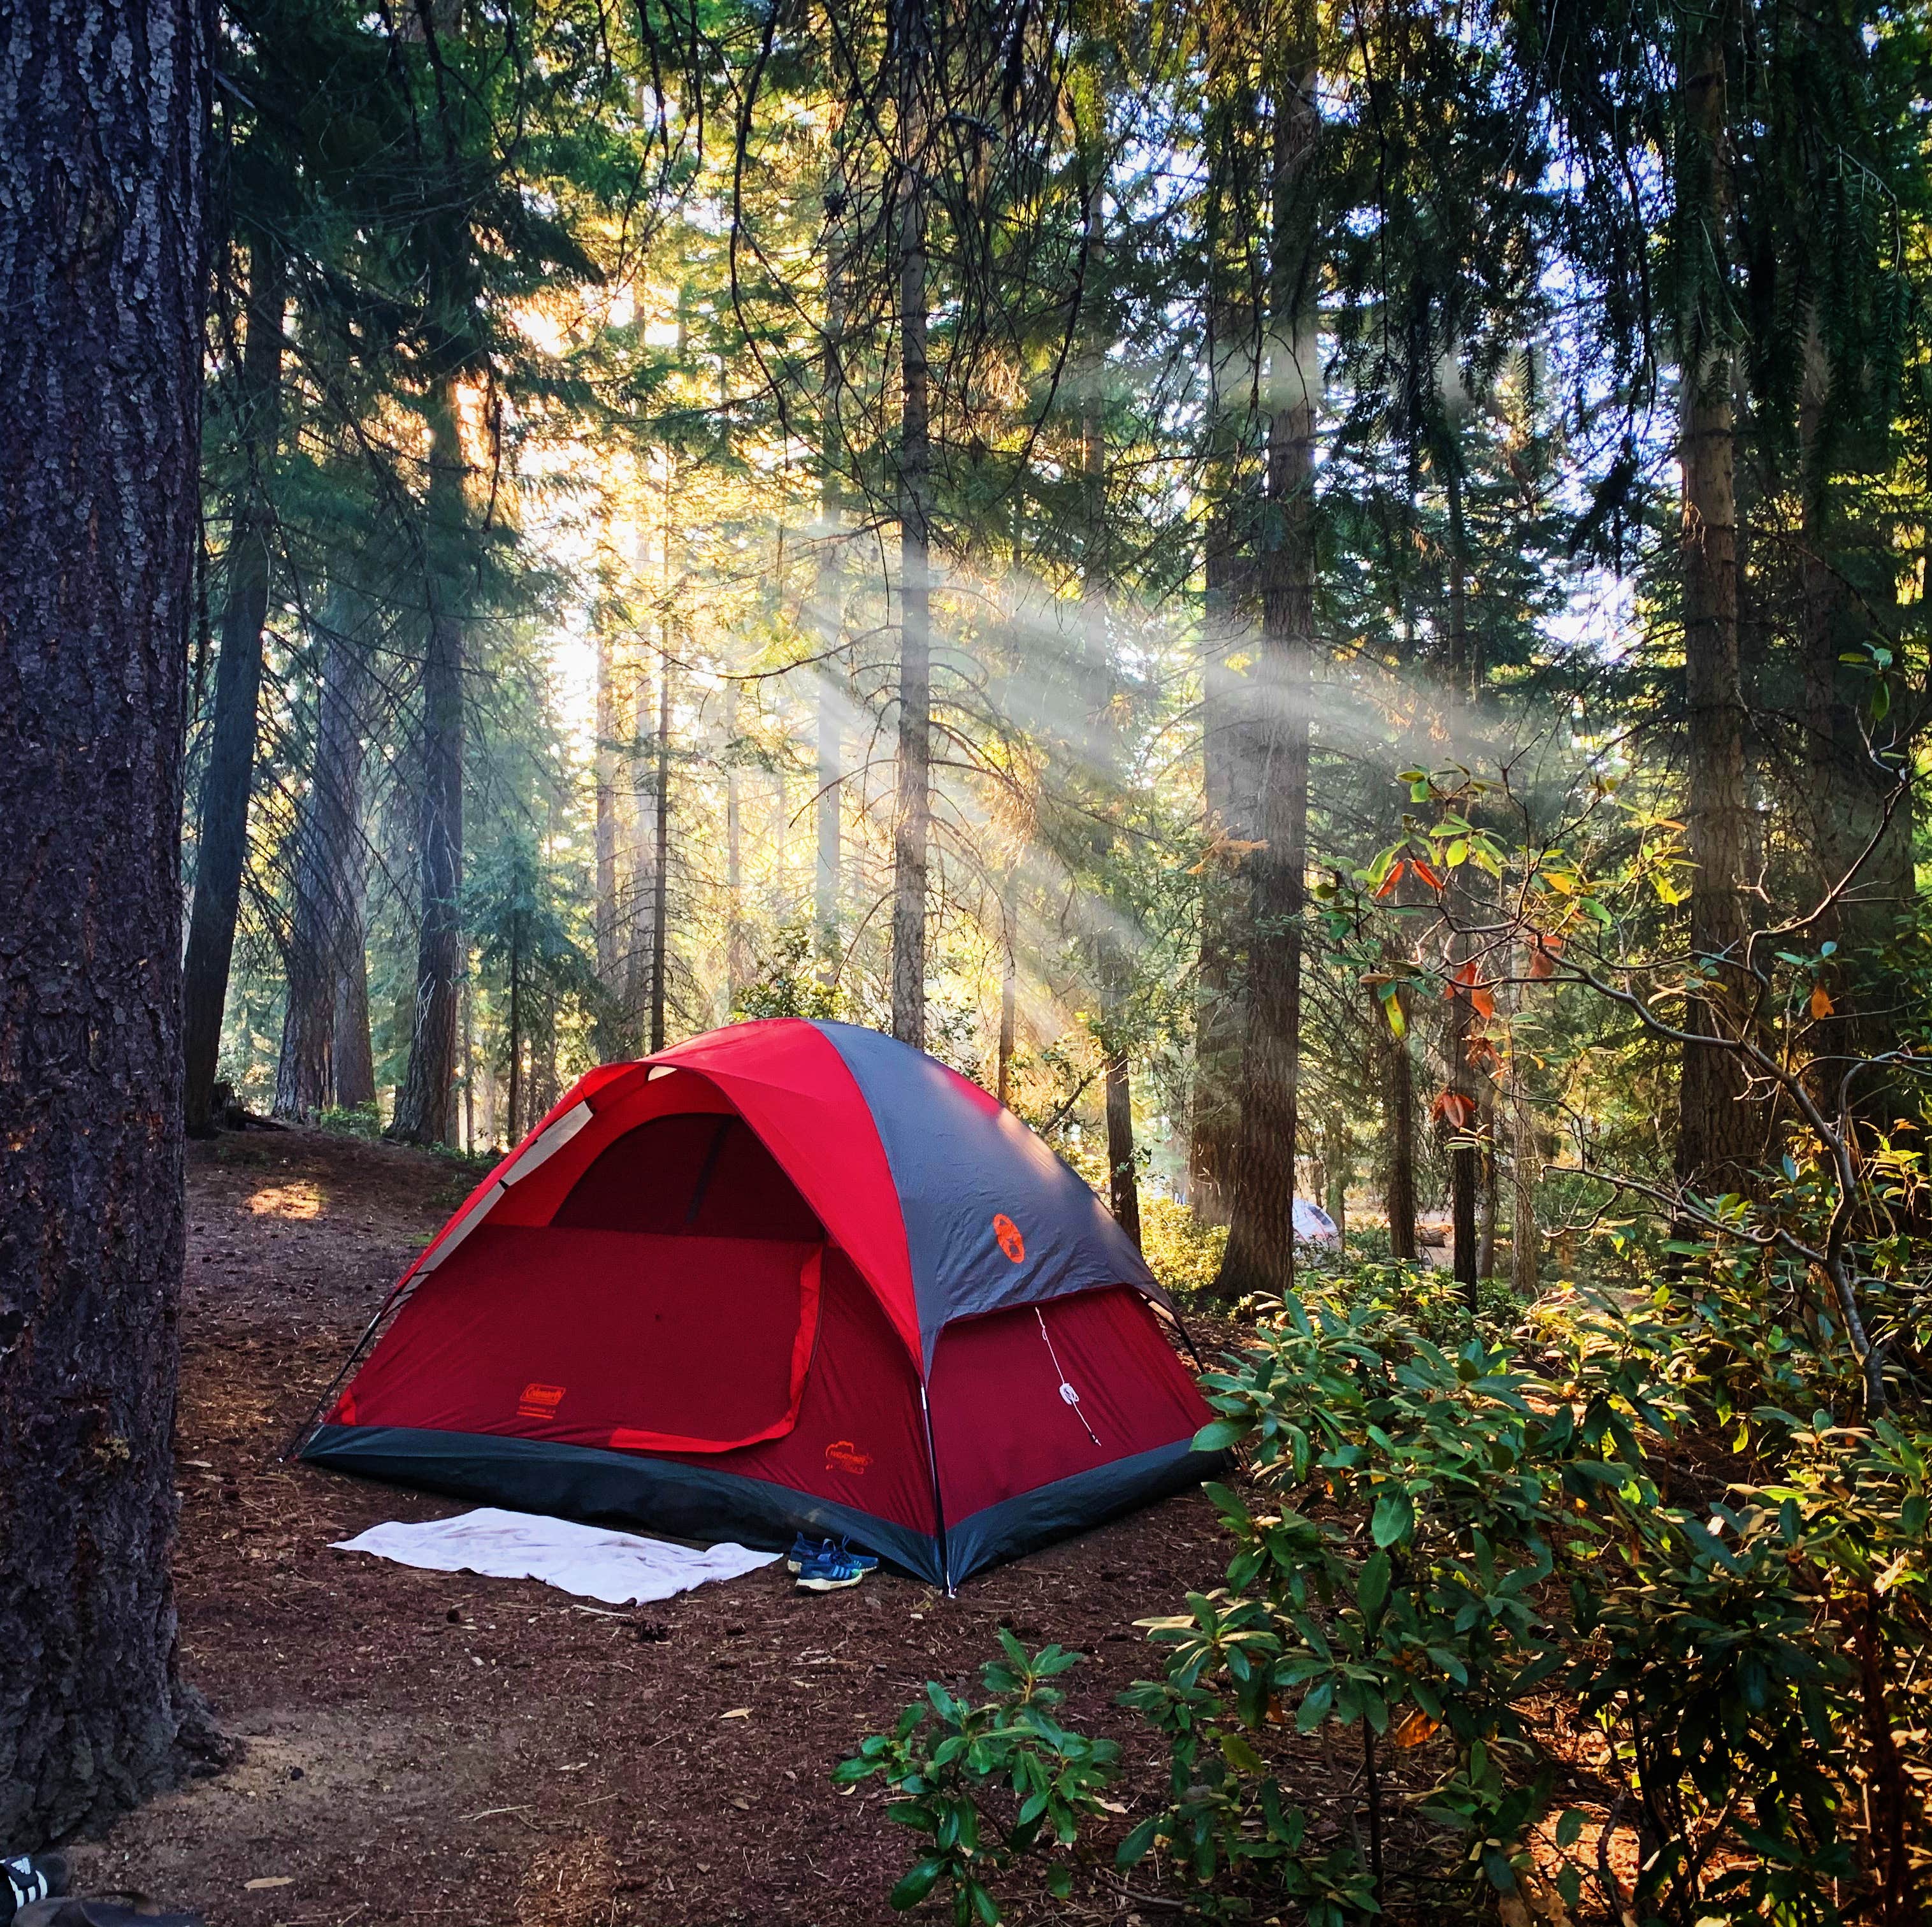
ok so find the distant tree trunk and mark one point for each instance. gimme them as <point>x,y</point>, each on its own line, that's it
<point>327,849</point>
<point>1336,1158</point>
<point>1465,678</point>
<point>1009,988</point>
<point>221,846</point>
<point>1526,1241</point>
<point>912,818</point>
<point>1260,1254</point>
<point>640,888</point>
<point>516,1021</point>
<point>830,600</point>
<point>1399,1118</point>
<point>1123,1183</point>
<point>661,859</point>
<point>1488,1195</point>
<point>734,855</point>
<point>1716,1141</point>
<point>353,1052</point>
<point>611,1043</point>
<point>424,1105</point>
<point>103,132</point>
<point>825,882</point>
<point>468,1044</point>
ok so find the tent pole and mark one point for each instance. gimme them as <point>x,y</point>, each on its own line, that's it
<point>938,1504</point>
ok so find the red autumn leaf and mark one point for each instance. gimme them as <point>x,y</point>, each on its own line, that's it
<point>1393,877</point>
<point>1454,1109</point>
<point>1822,1006</point>
<point>1427,873</point>
<point>1483,1000</point>
<point>1482,1054</point>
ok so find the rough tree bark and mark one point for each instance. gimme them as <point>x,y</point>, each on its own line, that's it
<point>912,817</point>
<point>1716,1142</point>
<point>327,849</point>
<point>1260,1254</point>
<point>103,132</point>
<point>353,1054</point>
<point>1112,956</point>
<point>221,845</point>
<point>1230,765</point>
<point>425,1104</point>
<point>1848,788</point>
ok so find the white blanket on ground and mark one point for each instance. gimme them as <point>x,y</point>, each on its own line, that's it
<point>618,1568</point>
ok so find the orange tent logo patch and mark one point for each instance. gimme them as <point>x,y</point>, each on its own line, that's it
<point>540,1401</point>
<point>841,1455</point>
<point>1008,1233</point>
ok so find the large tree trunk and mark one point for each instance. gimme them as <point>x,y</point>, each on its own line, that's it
<point>103,134</point>
<point>327,850</point>
<point>1230,762</point>
<point>221,845</point>
<point>912,818</point>
<point>425,1104</point>
<point>1260,1255</point>
<point>1848,790</point>
<point>1220,1011</point>
<point>1716,1141</point>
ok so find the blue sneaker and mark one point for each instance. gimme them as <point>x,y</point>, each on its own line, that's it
<point>803,1549</point>
<point>864,1561</point>
<point>831,1567</point>
<point>28,1878</point>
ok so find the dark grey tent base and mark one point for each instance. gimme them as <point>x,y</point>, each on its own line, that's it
<point>698,1503</point>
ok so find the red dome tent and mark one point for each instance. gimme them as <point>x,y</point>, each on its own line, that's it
<point>786,1277</point>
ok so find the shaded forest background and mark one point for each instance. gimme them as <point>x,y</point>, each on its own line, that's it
<point>994,524</point>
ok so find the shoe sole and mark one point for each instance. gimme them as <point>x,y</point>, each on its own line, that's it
<point>828,1585</point>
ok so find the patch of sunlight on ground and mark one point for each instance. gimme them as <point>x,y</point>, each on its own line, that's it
<point>301,1199</point>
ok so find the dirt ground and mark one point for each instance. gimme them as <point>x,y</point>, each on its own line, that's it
<point>421,1746</point>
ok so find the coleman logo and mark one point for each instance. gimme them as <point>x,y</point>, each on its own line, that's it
<point>841,1455</point>
<point>1008,1233</point>
<point>539,1401</point>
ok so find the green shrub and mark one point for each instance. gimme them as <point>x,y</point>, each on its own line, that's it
<point>1433,1538</point>
<point>952,1762</point>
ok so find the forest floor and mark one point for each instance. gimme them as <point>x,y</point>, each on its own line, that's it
<point>423,1746</point>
